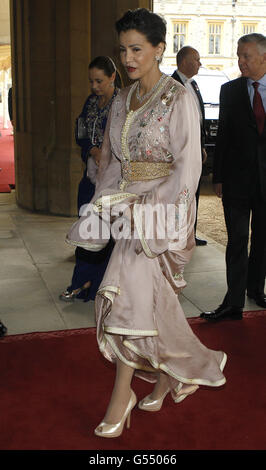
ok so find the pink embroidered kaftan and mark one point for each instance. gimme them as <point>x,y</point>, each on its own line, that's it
<point>138,314</point>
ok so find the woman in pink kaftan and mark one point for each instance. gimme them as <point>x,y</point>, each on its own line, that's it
<point>149,173</point>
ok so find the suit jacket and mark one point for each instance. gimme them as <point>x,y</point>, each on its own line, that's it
<point>196,88</point>
<point>240,155</point>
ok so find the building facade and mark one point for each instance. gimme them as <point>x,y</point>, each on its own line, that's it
<point>212,27</point>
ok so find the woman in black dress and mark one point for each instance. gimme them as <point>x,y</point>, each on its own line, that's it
<point>90,125</point>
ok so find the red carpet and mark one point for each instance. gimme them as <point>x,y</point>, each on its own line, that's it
<point>7,169</point>
<point>55,388</point>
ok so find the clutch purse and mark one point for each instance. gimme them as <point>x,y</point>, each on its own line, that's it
<point>82,130</point>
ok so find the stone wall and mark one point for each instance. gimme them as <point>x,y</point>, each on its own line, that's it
<point>52,43</point>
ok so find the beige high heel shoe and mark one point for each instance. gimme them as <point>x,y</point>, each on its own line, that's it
<point>115,430</point>
<point>149,404</point>
<point>185,395</point>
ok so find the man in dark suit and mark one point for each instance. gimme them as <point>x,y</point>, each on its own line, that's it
<point>188,64</point>
<point>239,177</point>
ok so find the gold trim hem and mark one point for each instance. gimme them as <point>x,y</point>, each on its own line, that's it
<point>112,199</point>
<point>125,331</point>
<point>156,366</point>
<point>114,289</point>
<point>108,338</point>
<point>90,246</point>
<point>109,292</point>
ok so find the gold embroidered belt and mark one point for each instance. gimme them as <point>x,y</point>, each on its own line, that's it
<point>141,171</point>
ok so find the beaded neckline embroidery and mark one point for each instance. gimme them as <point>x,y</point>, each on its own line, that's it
<point>154,88</point>
<point>160,83</point>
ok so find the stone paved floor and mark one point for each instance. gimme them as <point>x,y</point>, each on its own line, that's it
<point>36,265</point>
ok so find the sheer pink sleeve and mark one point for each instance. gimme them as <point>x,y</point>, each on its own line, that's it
<point>176,193</point>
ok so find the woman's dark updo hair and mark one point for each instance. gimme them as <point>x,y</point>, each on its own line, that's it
<point>107,65</point>
<point>144,21</point>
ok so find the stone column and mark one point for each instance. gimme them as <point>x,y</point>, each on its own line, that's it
<point>50,55</point>
<point>52,43</point>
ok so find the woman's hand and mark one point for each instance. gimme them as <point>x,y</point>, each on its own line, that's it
<point>218,189</point>
<point>204,155</point>
<point>96,154</point>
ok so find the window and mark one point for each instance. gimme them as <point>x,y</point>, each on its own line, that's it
<point>215,36</point>
<point>179,36</point>
<point>248,28</point>
<point>214,67</point>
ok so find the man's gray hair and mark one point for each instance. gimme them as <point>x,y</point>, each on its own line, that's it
<point>259,39</point>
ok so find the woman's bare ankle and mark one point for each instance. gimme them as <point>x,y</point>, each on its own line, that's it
<point>117,407</point>
<point>161,386</point>
<point>86,285</point>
